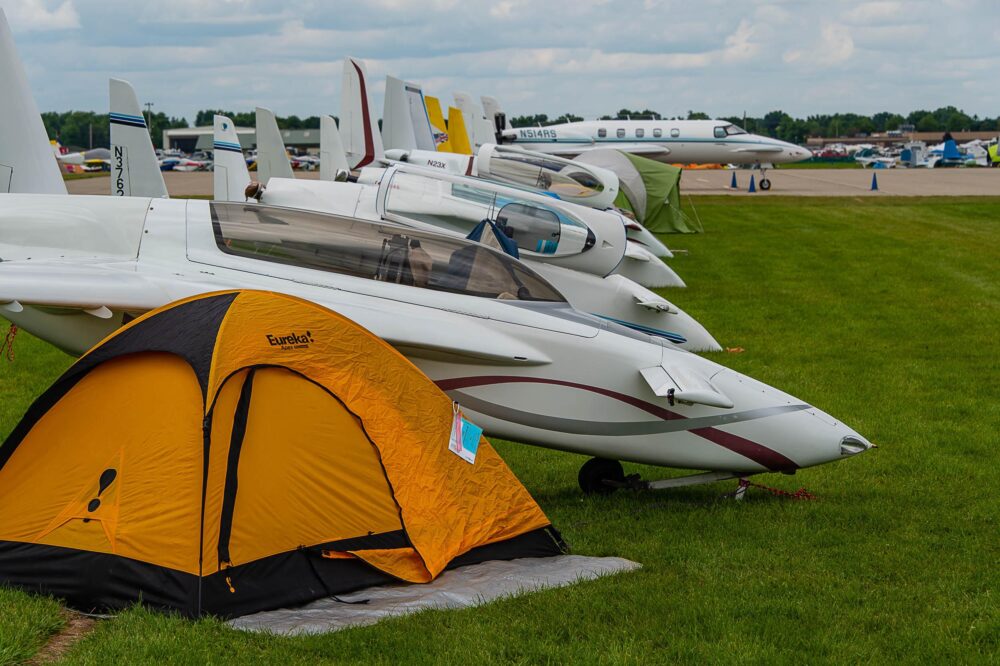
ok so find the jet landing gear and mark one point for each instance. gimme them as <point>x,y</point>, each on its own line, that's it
<point>765,182</point>
<point>600,476</point>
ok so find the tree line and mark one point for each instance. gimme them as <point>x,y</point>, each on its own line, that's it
<point>87,129</point>
<point>780,125</point>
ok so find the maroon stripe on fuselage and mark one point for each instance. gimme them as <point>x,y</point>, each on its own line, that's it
<point>759,453</point>
<point>367,120</point>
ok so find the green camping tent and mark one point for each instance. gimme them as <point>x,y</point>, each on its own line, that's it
<point>650,190</point>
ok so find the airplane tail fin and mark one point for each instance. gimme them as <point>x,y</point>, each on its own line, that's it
<point>439,129</point>
<point>27,164</point>
<point>231,176</point>
<point>362,140</point>
<point>272,158</point>
<point>458,134</point>
<point>331,150</point>
<point>406,124</point>
<point>135,172</point>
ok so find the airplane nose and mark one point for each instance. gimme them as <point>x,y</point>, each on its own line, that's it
<point>789,427</point>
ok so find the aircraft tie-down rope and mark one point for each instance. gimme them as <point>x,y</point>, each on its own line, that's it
<point>7,347</point>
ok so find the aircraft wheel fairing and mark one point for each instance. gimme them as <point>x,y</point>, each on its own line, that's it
<point>596,471</point>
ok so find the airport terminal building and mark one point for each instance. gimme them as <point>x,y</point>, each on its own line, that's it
<point>190,139</point>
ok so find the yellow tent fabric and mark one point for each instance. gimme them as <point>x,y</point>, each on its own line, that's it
<point>245,450</point>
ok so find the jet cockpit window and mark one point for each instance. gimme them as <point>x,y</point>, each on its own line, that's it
<point>620,133</point>
<point>728,130</point>
<point>381,252</point>
<point>532,228</point>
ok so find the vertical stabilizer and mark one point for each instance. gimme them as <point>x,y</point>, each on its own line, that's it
<point>27,163</point>
<point>331,150</point>
<point>359,127</point>
<point>135,171</point>
<point>272,158</point>
<point>231,176</point>
<point>492,108</point>
<point>439,128</point>
<point>458,134</point>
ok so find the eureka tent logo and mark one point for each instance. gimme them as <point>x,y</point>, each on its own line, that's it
<point>291,340</point>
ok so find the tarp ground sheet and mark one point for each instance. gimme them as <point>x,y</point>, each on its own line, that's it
<point>458,588</point>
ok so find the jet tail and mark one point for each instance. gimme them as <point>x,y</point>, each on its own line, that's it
<point>272,158</point>
<point>442,139</point>
<point>362,140</point>
<point>27,164</point>
<point>135,171</point>
<point>231,176</point>
<point>331,150</point>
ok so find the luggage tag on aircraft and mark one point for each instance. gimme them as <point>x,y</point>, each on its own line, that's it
<point>464,439</point>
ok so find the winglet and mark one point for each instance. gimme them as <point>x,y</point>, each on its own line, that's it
<point>272,158</point>
<point>331,150</point>
<point>231,175</point>
<point>362,140</point>
<point>458,134</point>
<point>26,162</point>
<point>135,171</point>
<point>442,138</point>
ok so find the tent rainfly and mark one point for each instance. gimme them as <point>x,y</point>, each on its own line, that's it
<point>650,190</point>
<point>242,451</point>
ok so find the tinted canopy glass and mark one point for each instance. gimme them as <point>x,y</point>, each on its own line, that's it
<point>380,252</point>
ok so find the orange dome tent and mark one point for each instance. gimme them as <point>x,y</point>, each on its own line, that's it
<point>241,451</point>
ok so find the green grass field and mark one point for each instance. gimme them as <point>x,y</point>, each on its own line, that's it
<point>883,312</point>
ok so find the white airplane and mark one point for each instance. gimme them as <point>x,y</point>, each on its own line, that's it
<point>404,124</point>
<point>497,337</point>
<point>674,141</point>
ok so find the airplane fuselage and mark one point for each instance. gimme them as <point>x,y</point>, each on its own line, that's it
<point>672,141</point>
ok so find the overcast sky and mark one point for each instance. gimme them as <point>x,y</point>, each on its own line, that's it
<point>589,57</point>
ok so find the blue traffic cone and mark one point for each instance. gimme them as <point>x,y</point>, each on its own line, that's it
<point>733,185</point>
<point>753,188</point>
<point>874,182</point>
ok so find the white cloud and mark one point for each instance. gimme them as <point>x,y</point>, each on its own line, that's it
<point>869,12</point>
<point>586,56</point>
<point>35,15</point>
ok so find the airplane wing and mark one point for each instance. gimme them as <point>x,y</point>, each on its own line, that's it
<point>101,289</point>
<point>89,287</point>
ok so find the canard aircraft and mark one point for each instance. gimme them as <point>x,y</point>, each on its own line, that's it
<point>499,338</point>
